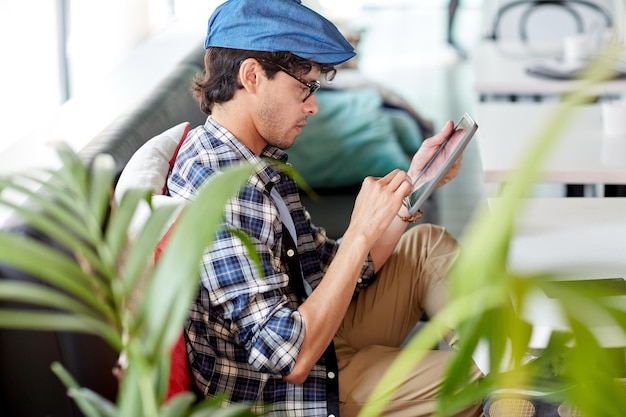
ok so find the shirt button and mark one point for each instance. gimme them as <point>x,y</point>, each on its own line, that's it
<point>360,280</point>
<point>290,253</point>
<point>331,415</point>
<point>331,375</point>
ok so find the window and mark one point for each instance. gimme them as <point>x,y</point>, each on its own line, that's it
<point>29,75</point>
<point>55,49</point>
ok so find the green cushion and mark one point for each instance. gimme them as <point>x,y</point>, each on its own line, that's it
<point>353,136</point>
<point>406,129</point>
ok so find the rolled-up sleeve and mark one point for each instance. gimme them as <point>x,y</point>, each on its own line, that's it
<point>257,312</point>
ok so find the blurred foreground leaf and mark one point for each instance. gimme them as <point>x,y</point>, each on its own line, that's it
<point>481,307</point>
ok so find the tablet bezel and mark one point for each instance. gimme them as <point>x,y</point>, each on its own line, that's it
<point>469,126</point>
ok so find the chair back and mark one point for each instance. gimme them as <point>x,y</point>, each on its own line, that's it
<point>549,20</point>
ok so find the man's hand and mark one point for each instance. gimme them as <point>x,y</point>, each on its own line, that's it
<point>428,149</point>
<point>378,202</point>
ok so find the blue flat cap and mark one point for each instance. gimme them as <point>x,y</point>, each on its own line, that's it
<point>275,26</point>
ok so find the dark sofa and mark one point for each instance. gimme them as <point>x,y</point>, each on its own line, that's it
<point>27,385</point>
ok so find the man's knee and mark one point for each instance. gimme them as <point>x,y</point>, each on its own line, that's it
<point>429,239</point>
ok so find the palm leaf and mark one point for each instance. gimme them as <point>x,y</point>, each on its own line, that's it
<point>53,268</point>
<point>103,407</point>
<point>37,294</point>
<point>85,406</point>
<point>52,321</point>
<point>142,251</point>
<point>492,233</point>
<point>56,213</point>
<point>479,282</point>
<point>94,285</point>
<point>129,399</point>
<point>416,348</point>
<point>212,407</point>
<point>178,406</point>
<point>174,282</point>
<point>100,190</point>
<point>57,230</point>
<point>119,222</point>
<point>74,174</point>
<point>249,245</point>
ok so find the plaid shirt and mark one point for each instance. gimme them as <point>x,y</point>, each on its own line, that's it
<point>245,332</point>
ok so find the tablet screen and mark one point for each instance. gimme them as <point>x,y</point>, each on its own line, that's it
<point>440,163</point>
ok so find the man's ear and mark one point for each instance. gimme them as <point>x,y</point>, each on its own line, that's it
<point>249,74</point>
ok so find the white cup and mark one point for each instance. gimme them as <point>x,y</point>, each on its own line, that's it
<point>576,48</point>
<point>614,118</point>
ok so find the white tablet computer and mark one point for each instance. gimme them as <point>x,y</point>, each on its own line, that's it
<point>436,168</point>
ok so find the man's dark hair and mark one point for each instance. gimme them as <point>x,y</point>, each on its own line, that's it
<point>219,81</point>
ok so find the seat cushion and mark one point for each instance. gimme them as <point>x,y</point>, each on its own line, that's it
<point>151,164</point>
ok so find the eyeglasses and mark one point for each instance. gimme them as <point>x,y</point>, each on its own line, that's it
<point>313,87</point>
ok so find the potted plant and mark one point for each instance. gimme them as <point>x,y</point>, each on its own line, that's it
<point>107,285</point>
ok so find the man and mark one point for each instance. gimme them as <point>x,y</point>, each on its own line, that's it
<point>314,334</point>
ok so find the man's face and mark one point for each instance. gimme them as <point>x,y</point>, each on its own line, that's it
<point>282,114</point>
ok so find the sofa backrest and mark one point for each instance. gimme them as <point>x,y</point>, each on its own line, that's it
<point>169,104</point>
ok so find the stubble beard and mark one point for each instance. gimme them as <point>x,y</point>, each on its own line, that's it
<point>274,132</point>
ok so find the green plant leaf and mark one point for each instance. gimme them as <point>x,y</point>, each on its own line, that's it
<point>52,321</point>
<point>121,217</point>
<point>162,370</point>
<point>175,280</point>
<point>52,267</point>
<point>52,210</point>
<point>100,188</point>
<point>104,407</point>
<point>49,184</point>
<point>178,406</point>
<point>94,188</point>
<point>62,198</point>
<point>56,229</point>
<point>594,373</point>
<point>142,249</point>
<point>84,405</point>
<point>295,175</point>
<point>458,400</point>
<point>212,407</point>
<point>66,227</point>
<point>129,400</point>
<point>416,348</point>
<point>233,410</point>
<point>249,245</point>
<point>74,173</point>
<point>482,262</point>
<point>28,292</point>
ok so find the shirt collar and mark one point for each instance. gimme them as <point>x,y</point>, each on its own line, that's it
<point>266,172</point>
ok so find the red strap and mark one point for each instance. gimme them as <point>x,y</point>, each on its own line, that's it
<point>180,373</point>
<point>173,159</point>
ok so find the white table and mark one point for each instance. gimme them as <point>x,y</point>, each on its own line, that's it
<point>582,238</point>
<point>579,238</point>
<point>582,156</point>
<point>500,70</point>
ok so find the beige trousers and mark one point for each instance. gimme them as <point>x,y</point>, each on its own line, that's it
<point>411,282</point>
